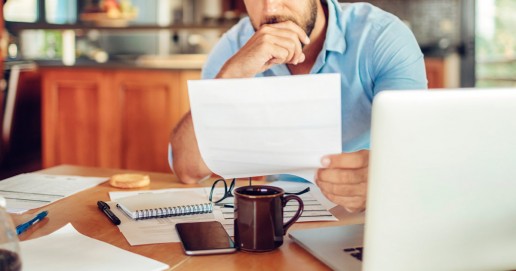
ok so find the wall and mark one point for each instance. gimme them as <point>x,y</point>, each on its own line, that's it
<point>431,21</point>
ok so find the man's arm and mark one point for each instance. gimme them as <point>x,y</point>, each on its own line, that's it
<point>188,164</point>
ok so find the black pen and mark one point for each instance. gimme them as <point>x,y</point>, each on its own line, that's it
<point>104,207</point>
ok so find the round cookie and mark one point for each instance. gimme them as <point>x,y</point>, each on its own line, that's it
<point>129,180</point>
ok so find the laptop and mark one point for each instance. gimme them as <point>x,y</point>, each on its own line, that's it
<point>442,186</point>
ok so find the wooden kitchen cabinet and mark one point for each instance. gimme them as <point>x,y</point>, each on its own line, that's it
<point>118,118</point>
<point>435,71</point>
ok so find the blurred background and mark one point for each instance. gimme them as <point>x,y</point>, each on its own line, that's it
<point>102,82</point>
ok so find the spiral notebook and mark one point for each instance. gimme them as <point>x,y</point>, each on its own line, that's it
<point>154,205</point>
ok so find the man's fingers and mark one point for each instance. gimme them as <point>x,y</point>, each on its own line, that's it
<point>351,160</point>
<point>291,26</point>
<point>278,56</point>
<point>351,204</point>
<point>351,197</point>
<point>343,179</point>
<point>293,50</point>
<point>342,176</point>
<point>284,38</point>
<point>345,190</point>
<point>272,44</point>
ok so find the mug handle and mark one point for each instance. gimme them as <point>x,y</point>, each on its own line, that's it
<point>298,212</point>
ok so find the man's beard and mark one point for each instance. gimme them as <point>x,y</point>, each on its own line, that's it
<point>307,26</point>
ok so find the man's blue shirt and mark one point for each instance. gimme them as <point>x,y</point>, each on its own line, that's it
<point>371,49</point>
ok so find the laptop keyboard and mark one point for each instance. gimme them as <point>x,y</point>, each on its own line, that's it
<point>356,252</point>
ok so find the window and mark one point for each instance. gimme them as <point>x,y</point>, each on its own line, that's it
<point>61,11</point>
<point>496,43</point>
<point>26,11</point>
<point>21,11</point>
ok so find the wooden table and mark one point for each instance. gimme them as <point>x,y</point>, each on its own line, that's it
<point>81,211</point>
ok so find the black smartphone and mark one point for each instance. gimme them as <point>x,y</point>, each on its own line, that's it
<point>204,238</point>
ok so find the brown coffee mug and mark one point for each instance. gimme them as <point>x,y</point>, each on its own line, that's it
<point>259,223</point>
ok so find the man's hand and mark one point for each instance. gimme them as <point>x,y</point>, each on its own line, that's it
<point>280,43</point>
<point>343,179</point>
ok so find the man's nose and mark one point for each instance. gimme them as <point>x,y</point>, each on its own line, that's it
<point>271,6</point>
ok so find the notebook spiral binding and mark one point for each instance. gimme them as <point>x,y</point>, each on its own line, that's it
<point>174,211</point>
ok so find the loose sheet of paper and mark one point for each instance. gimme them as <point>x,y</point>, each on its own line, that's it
<point>33,190</point>
<point>155,230</point>
<point>67,249</point>
<point>264,126</point>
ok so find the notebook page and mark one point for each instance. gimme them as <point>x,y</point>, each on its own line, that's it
<point>151,201</point>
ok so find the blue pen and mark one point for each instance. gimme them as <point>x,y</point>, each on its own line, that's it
<point>23,227</point>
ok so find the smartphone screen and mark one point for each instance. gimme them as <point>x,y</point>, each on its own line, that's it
<point>203,238</point>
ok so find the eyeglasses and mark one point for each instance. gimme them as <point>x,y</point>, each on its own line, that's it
<point>220,191</point>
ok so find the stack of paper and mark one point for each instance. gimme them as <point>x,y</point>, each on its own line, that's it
<point>156,230</point>
<point>162,230</point>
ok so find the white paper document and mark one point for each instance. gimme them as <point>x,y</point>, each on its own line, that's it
<point>33,190</point>
<point>270,125</point>
<point>67,249</point>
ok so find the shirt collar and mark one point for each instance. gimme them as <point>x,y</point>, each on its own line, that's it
<point>336,31</point>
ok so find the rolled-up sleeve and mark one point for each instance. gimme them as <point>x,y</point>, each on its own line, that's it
<point>397,60</point>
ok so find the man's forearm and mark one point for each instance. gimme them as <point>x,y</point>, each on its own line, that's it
<point>188,164</point>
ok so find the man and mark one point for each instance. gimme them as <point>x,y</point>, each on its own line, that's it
<point>371,49</point>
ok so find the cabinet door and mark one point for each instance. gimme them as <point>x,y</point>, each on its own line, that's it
<point>184,102</point>
<point>151,104</point>
<point>77,118</point>
<point>435,72</point>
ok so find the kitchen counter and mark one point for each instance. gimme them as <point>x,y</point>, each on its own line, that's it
<point>185,61</point>
<point>171,62</point>
<point>441,49</point>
